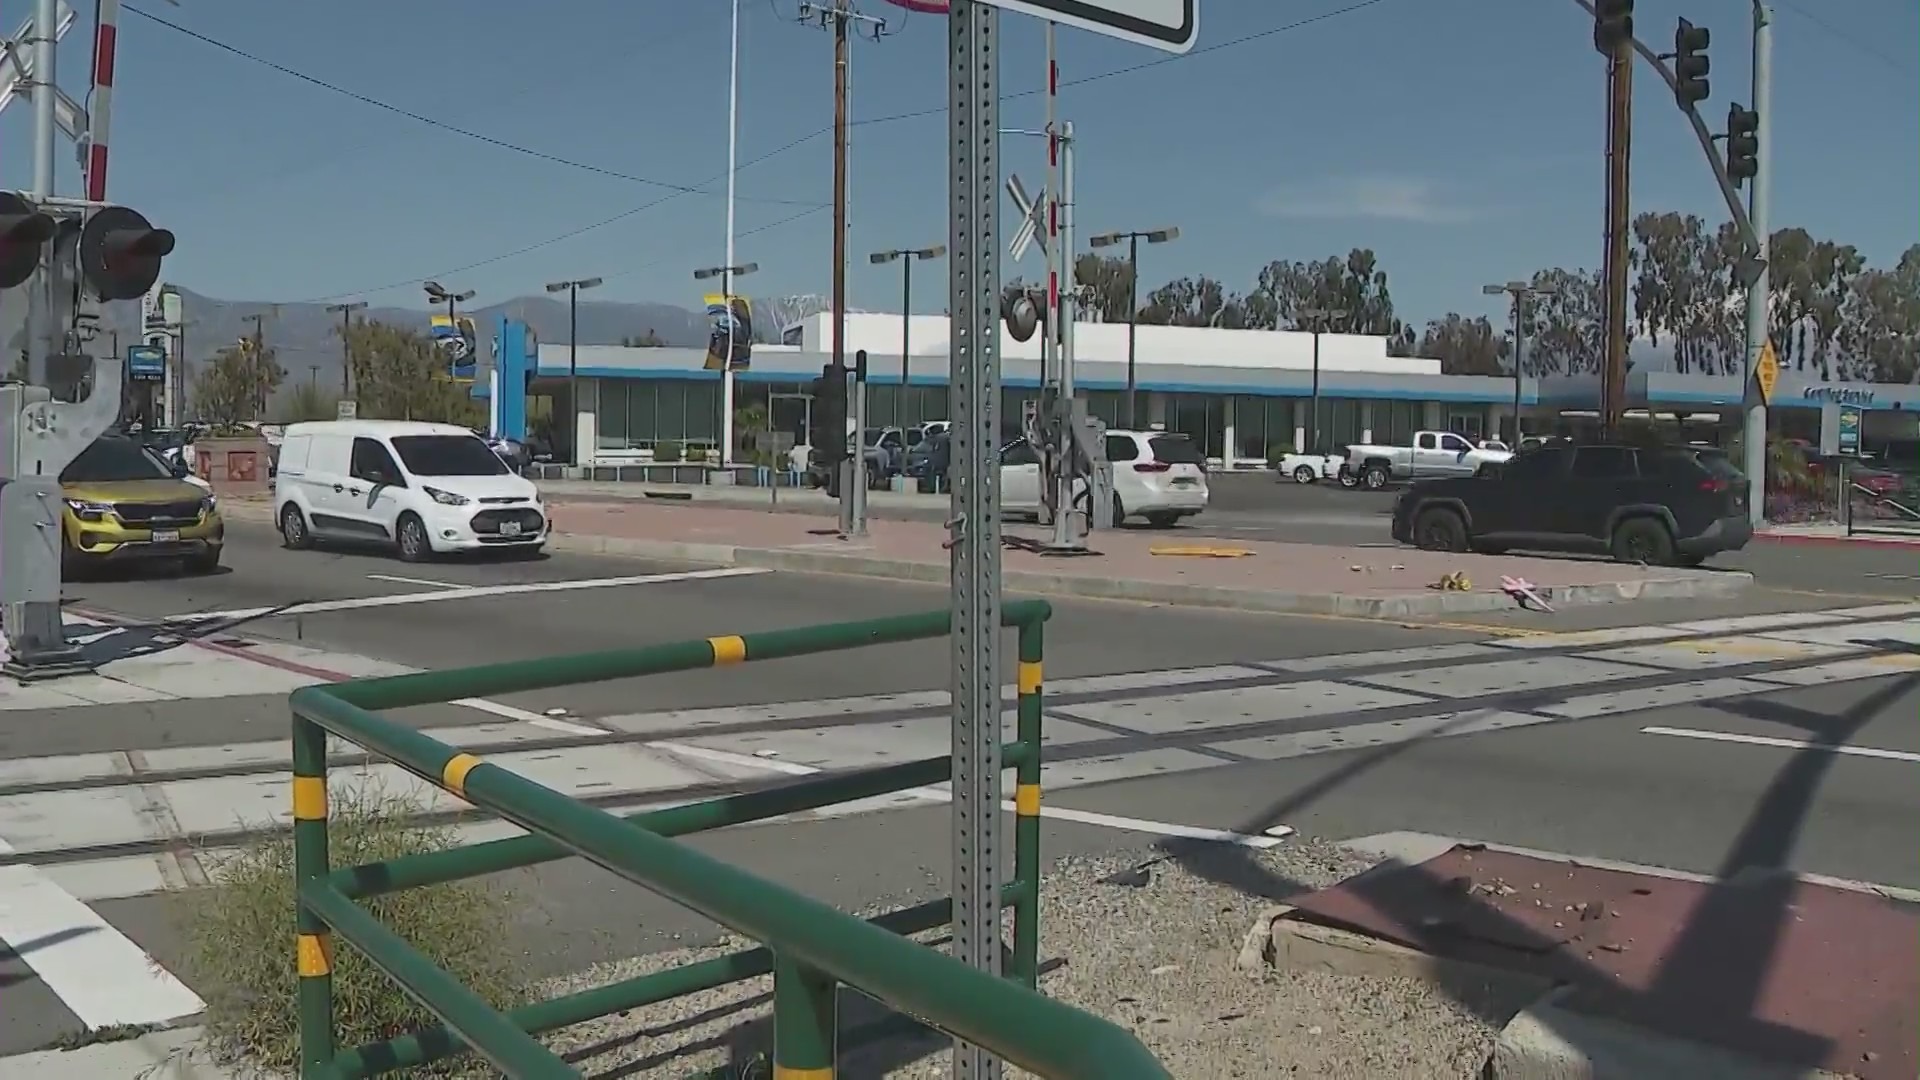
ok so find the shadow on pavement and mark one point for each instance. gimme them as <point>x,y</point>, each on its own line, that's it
<point>1728,927</point>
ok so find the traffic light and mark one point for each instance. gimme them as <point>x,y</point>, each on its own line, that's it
<point>1612,24</point>
<point>1743,144</point>
<point>24,230</point>
<point>1691,64</point>
<point>120,253</point>
<point>827,433</point>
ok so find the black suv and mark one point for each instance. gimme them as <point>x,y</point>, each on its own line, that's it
<point>1655,505</point>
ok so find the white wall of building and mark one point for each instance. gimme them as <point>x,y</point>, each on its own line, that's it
<point>1173,345</point>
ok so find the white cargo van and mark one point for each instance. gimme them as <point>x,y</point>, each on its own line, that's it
<point>424,488</point>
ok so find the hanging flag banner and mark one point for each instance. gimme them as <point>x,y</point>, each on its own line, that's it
<point>730,342</point>
<point>454,336</point>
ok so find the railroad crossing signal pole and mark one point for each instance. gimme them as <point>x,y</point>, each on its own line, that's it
<point>1759,192</point>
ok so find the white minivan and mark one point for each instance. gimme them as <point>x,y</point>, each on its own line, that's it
<point>424,488</point>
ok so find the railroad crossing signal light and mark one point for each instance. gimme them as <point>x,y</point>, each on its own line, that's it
<point>24,230</point>
<point>1021,315</point>
<point>1612,24</point>
<point>827,433</point>
<point>1743,144</point>
<point>120,253</point>
<point>1691,64</point>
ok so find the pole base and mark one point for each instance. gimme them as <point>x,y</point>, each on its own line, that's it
<point>1070,548</point>
<point>44,664</point>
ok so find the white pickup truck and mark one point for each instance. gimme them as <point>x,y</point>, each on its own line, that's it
<point>1433,454</point>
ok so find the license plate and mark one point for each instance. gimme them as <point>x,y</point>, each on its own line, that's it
<point>1183,481</point>
<point>509,528</point>
<point>166,536</point>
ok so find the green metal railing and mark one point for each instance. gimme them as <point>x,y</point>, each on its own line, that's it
<point>810,948</point>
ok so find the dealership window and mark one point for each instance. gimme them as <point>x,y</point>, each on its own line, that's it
<point>634,414</point>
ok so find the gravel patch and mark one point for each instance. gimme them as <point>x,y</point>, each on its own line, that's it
<point>1148,942</point>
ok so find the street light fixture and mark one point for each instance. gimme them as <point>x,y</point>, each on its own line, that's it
<point>572,289</point>
<point>726,274</point>
<point>345,311</point>
<point>1521,292</point>
<point>906,257</point>
<point>1151,236</point>
<point>1320,319</point>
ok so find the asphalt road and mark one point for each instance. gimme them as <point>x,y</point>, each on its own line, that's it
<point>1161,720</point>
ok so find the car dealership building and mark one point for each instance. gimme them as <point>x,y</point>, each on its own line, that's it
<point>1241,395</point>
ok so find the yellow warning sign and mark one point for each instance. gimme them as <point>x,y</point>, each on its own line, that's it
<point>1767,372</point>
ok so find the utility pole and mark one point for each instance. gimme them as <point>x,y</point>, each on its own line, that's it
<point>572,289</point>
<point>843,18</point>
<point>1759,191</point>
<point>259,357</point>
<point>1613,38</point>
<point>906,257</point>
<point>1152,236</point>
<point>345,311</point>
<point>1521,292</point>
<point>1320,319</point>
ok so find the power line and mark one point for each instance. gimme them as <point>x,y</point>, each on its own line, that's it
<point>1847,37</point>
<point>1359,5</point>
<point>421,118</point>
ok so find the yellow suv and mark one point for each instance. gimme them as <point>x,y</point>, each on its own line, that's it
<point>125,503</point>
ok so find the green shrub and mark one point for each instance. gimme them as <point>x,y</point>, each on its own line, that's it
<point>666,453</point>
<point>240,941</point>
<point>696,454</point>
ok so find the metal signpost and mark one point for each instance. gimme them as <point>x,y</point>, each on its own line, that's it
<point>974,107</point>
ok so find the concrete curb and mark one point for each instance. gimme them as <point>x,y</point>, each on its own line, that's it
<point>851,563</point>
<point>173,1054</point>
<point>1856,540</point>
<point>1541,1041</point>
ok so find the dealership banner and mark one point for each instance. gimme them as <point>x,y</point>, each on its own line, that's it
<point>730,341</point>
<point>454,337</point>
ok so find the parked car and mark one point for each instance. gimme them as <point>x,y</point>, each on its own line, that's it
<point>1307,468</point>
<point>1659,506</point>
<point>1432,453</point>
<point>1157,475</point>
<point>423,488</point>
<point>126,502</point>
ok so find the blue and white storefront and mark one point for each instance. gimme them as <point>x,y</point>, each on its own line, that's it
<point>1241,395</point>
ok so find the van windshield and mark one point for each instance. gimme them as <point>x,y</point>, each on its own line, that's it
<point>447,455</point>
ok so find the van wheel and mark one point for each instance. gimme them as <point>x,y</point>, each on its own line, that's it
<point>293,529</point>
<point>1643,540</point>
<point>411,535</point>
<point>1304,475</point>
<point>1439,529</point>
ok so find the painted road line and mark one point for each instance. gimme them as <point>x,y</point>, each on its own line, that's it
<point>1273,838</point>
<point>469,592</point>
<point>96,971</point>
<point>1783,744</point>
<point>399,580</point>
<point>527,716</point>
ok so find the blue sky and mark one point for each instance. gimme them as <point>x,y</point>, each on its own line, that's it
<point>1460,139</point>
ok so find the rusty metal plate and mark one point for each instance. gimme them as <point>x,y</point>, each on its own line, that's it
<point>1803,974</point>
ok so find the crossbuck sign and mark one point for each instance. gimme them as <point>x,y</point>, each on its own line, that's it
<point>1168,25</point>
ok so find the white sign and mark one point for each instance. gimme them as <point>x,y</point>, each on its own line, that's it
<point>1168,25</point>
<point>346,410</point>
<point>1032,215</point>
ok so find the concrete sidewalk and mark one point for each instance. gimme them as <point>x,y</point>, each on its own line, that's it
<point>1148,566</point>
<point>1637,971</point>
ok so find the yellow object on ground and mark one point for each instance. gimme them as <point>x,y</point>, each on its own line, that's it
<point>1199,551</point>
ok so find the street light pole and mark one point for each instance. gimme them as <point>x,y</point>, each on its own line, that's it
<point>726,274</point>
<point>1151,236</point>
<point>1759,191</point>
<point>906,258</point>
<point>345,311</point>
<point>1521,292</point>
<point>572,289</point>
<point>1320,319</point>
